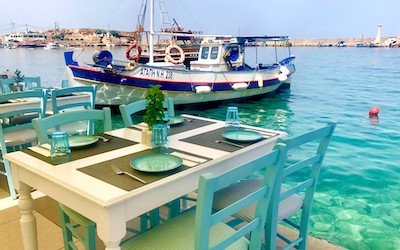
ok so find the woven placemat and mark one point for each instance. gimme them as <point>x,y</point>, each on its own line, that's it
<point>103,171</point>
<point>209,139</point>
<point>78,153</point>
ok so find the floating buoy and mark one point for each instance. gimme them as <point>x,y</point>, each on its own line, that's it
<point>374,111</point>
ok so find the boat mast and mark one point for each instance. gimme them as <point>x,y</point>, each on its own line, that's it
<point>151,58</point>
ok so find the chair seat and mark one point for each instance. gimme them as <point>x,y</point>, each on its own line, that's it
<point>22,119</point>
<point>226,196</point>
<point>20,137</point>
<point>178,234</point>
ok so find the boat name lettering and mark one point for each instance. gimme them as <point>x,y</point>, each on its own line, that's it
<point>157,73</point>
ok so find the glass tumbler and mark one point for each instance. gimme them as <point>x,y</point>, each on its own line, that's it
<point>232,118</point>
<point>159,136</point>
<point>59,144</point>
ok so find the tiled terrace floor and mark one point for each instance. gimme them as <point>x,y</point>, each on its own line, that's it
<point>49,232</point>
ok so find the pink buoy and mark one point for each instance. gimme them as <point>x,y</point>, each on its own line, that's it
<point>374,111</point>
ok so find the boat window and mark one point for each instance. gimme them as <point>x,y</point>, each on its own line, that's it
<point>214,53</point>
<point>204,52</point>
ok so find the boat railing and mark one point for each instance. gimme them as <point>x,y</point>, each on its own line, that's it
<point>287,60</point>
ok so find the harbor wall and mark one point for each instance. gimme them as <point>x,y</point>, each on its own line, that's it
<point>334,41</point>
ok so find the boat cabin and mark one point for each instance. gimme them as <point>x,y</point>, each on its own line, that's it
<point>219,54</point>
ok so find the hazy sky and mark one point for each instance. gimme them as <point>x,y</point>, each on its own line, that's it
<point>296,18</point>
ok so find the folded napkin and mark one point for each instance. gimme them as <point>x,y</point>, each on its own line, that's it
<point>43,149</point>
<point>189,160</point>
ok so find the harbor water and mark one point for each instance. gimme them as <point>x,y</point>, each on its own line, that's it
<point>357,202</point>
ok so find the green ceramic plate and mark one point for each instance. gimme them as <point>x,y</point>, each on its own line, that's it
<point>156,163</point>
<point>242,135</point>
<point>77,141</point>
<point>175,120</point>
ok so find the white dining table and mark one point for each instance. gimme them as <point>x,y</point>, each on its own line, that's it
<point>110,207</point>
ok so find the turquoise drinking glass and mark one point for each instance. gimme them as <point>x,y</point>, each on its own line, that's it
<point>59,144</point>
<point>159,136</point>
<point>232,118</point>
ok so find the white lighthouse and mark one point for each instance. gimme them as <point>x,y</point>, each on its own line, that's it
<point>378,35</point>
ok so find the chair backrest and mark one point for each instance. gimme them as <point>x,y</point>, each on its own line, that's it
<point>89,104</point>
<point>130,109</point>
<point>302,159</point>
<point>85,104</point>
<point>43,125</point>
<point>32,82</point>
<point>37,109</point>
<point>5,85</point>
<point>209,183</point>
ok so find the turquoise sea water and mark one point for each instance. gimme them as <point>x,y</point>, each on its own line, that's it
<point>357,203</point>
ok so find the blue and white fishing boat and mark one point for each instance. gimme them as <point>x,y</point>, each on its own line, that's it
<point>219,73</point>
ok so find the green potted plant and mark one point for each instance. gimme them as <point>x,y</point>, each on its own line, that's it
<point>18,78</point>
<point>154,106</point>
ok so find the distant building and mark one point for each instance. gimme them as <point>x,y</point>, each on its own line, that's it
<point>25,36</point>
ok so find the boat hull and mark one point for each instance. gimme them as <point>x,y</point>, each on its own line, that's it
<point>122,86</point>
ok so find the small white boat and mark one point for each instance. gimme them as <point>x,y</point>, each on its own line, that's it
<point>52,45</point>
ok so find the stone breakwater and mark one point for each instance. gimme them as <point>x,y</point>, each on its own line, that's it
<point>334,41</point>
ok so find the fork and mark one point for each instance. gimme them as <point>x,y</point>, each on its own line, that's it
<point>119,171</point>
<point>103,138</point>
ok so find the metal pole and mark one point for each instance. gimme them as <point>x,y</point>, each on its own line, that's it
<point>151,58</point>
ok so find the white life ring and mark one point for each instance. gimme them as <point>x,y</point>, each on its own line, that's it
<point>170,58</point>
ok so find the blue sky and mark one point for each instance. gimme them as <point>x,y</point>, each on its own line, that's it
<point>296,18</point>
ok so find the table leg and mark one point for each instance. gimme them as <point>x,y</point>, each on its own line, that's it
<point>113,227</point>
<point>28,220</point>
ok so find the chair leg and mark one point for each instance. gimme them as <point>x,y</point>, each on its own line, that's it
<point>67,235</point>
<point>90,237</point>
<point>69,229</point>
<point>174,208</point>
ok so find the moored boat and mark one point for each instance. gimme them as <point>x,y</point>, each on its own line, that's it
<point>52,45</point>
<point>219,72</point>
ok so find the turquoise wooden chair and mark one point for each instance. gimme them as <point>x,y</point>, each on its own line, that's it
<point>6,85</point>
<point>71,220</point>
<point>298,162</point>
<point>202,228</point>
<point>17,135</point>
<point>32,82</point>
<point>78,127</point>
<point>54,122</point>
<point>130,109</point>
